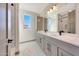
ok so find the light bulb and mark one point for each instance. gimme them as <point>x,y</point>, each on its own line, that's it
<point>51,10</point>
<point>55,8</point>
<point>48,12</point>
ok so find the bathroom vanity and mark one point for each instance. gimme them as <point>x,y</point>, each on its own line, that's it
<point>61,20</point>
<point>55,45</point>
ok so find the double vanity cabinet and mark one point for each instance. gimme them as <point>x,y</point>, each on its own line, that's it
<point>54,47</point>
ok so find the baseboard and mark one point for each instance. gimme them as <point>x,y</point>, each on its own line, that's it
<point>27,41</point>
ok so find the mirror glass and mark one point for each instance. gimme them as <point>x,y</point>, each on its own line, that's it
<point>61,19</point>
<point>66,22</point>
<point>52,21</point>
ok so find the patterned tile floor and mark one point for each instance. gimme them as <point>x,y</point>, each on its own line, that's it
<point>30,49</point>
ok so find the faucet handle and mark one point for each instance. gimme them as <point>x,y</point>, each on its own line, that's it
<point>60,32</point>
<point>45,30</point>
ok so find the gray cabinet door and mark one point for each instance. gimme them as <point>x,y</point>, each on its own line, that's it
<point>3,39</point>
<point>51,49</point>
<point>43,44</point>
<point>64,53</point>
<point>39,40</point>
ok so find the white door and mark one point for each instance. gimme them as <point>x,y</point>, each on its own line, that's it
<point>10,29</point>
<point>3,37</point>
<point>13,29</point>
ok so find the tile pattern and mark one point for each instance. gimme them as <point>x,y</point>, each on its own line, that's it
<point>30,49</point>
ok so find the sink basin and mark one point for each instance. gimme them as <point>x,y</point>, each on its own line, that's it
<point>55,34</point>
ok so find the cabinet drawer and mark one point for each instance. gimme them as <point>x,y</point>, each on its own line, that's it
<point>63,53</point>
<point>51,49</point>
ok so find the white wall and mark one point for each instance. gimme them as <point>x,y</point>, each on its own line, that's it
<point>26,35</point>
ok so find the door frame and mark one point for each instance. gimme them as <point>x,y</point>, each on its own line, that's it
<point>7,28</point>
<point>15,19</point>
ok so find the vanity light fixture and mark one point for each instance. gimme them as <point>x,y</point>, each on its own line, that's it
<point>55,8</point>
<point>51,10</point>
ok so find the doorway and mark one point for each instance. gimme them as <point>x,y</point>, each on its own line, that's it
<point>27,26</point>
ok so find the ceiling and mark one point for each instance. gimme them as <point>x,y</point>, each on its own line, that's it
<point>34,7</point>
<point>42,8</point>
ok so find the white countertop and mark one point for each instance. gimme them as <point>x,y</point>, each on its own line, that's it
<point>65,37</point>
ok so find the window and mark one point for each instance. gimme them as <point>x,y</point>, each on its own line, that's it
<point>26,22</point>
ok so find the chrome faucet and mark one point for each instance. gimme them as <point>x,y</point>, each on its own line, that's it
<point>45,30</point>
<point>60,32</point>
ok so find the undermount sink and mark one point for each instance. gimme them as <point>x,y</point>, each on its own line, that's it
<point>53,33</point>
<point>56,35</point>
